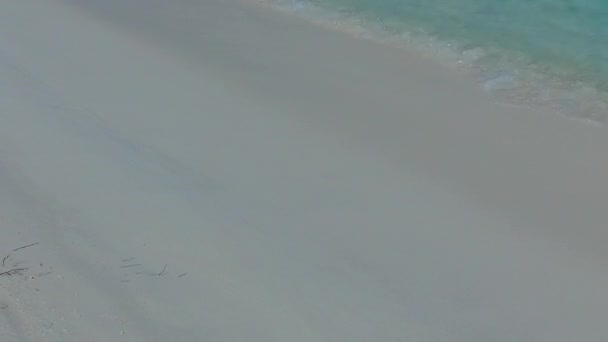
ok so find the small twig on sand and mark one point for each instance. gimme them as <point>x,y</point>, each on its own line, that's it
<point>22,247</point>
<point>4,260</point>
<point>125,260</point>
<point>133,265</point>
<point>13,272</point>
<point>163,271</point>
<point>181,275</point>
<point>42,274</point>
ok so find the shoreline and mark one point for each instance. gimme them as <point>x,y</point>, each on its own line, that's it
<point>512,80</point>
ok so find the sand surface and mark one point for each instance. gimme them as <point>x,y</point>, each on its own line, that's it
<point>218,171</point>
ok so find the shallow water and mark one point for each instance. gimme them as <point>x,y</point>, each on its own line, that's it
<point>549,52</point>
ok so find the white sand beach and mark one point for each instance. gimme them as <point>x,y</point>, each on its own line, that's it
<point>216,170</point>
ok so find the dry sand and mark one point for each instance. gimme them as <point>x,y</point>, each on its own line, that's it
<point>217,171</point>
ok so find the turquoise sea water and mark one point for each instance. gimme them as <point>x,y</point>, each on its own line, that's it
<point>551,52</point>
